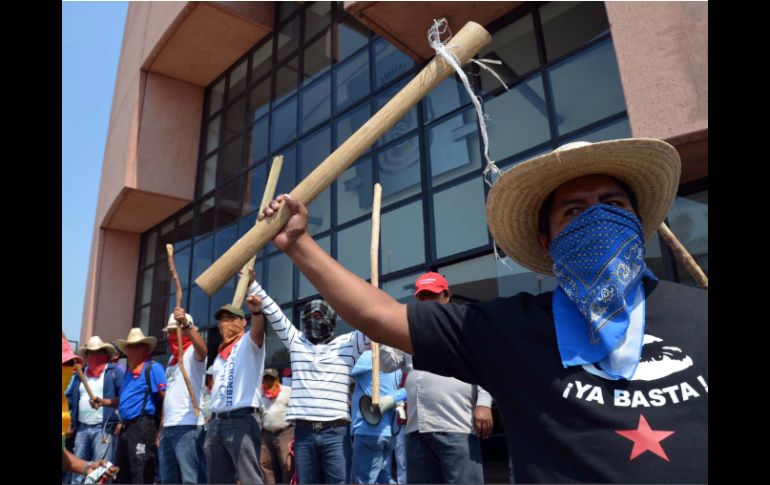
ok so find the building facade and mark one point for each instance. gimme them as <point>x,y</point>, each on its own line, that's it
<point>208,92</point>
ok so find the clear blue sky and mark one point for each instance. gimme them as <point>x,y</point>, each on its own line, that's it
<point>91,37</point>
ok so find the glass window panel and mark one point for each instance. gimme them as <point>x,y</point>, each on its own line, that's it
<point>209,175</point>
<point>314,150</point>
<point>279,278</point>
<point>351,36</point>
<point>224,296</point>
<point>258,100</point>
<point>402,126</point>
<point>516,48</point>
<point>351,80</point>
<point>199,308</point>
<point>389,62</point>
<point>353,245</point>
<point>202,251</point>
<point>205,216</point>
<point>454,147</point>
<point>284,124</point>
<point>261,61</point>
<point>246,223</point>
<point>569,25</point>
<point>150,248</point>
<point>182,263</point>
<point>402,238</point>
<point>212,134</point>
<point>305,287</point>
<point>216,96</point>
<point>287,181</point>
<point>184,228</point>
<point>459,214</point>
<point>161,281</point>
<point>449,95</point>
<point>146,280</point>
<point>286,79</point>
<point>518,119</point>
<point>688,220</point>
<point>316,103</point>
<point>317,57</point>
<point>654,257</point>
<point>398,169</point>
<point>613,131</point>
<point>317,18</point>
<point>258,141</point>
<point>144,320</point>
<point>256,179</point>
<point>237,79</point>
<point>235,118</point>
<point>287,39</point>
<point>350,122</point>
<point>228,203</point>
<point>276,354</point>
<point>402,289</point>
<point>586,88</point>
<point>285,9</point>
<point>355,191</point>
<point>231,161</point>
<point>167,236</point>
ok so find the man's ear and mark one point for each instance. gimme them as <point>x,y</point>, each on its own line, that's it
<point>544,242</point>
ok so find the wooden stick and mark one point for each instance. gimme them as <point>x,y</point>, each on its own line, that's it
<point>79,370</point>
<point>267,196</point>
<point>683,256</point>
<point>374,253</point>
<point>172,268</point>
<point>465,44</point>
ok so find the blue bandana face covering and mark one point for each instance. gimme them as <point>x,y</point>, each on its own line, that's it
<point>599,263</point>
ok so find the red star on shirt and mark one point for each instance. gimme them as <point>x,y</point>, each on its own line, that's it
<point>646,439</point>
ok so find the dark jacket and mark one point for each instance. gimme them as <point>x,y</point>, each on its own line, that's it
<point>113,381</point>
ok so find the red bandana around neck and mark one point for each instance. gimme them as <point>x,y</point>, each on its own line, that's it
<point>225,348</point>
<point>174,344</point>
<point>271,393</point>
<point>96,365</point>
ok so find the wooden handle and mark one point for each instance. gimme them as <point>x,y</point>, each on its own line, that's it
<point>374,252</point>
<point>172,268</point>
<point>267,196</point>
<point>683,256</point>
<point>79,370</point>
<point>465,44</point>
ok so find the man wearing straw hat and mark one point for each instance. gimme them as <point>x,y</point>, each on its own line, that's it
<point>140,405</point>
<point>604,379</point>
<point>181,437</point>
<point>93,427</point>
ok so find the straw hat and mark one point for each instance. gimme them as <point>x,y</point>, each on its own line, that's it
<point>650,167</point>
<point>136,336</point>
<point>95,343</point>
<point>171,325</point>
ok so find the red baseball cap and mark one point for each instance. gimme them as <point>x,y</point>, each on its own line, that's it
<point>433,282</point>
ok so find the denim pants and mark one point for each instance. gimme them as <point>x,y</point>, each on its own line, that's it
<point>371,458</point>
<point>180,453</point>
<point>89,446</point>
<point>322,456</point>
<point>401,456</point>
<point>443,458</point>
<point>232,450</point>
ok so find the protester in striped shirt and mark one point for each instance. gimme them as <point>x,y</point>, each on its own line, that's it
<point>321,366</point>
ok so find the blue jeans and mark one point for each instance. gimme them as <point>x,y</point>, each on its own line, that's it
<point>89,446</point>
<point>443,458</point>
<point>322,456</point>
<point>371,458</point>
<point>180,453</point>
<point>401,456</point>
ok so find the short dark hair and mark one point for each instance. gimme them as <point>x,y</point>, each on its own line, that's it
<point>543,225</point>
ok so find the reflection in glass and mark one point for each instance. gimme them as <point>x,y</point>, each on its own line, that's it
<point>212,134</point>
<point>184,228</point>
<point>231,161</point>
<point>150,248</point>
<point>216,97</point>
<point>317,18</point>
<point>205,219</point>
<point>227,203</point>
<point>144,320</point>
<point>688,220</point>
<point>237,79</point>
<point>147,285</point>
<point>209,176</point>
<point>305,287</point>
<point>285,9</point>
<point>182,263</point>
<point>260,61</point>
<point>459,214</point>
<point>235,118</point>
<point>258,100</point>
<point>287,39</point>
<point>398,168</point>
<point>314,149</point>
<point>402,237</point>
<point>224,239</point>
<point>516,48</point>
<point>258,141</point>
<point>351,80</point>
<point>613,131</point>
<point>402,126</point>
<point>199,306</point>
<point>286,79</point>
<point>256,179</point>
<point>570,25</point>
<point>518,119</point>
<point>287,181</point>
<point>586,88</point>
<point>353,245</point>
<point>317,57</point>
<point>284,124</point>
<point>351,36</point>
<point>389,62</point>
<point>316,103</point>
<point>355,191</point>
<point>454,147</point>
<point>449,95</point>
<point>279,278</point>
<point>351,122</point>
<point>202,251</point>
<point>402,289</point>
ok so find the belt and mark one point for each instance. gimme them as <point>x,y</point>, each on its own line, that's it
<point>236,413</point>
<point>319,425</point>
<point>278,431</point>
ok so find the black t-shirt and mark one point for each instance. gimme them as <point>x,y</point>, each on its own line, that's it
<point>566,425</point>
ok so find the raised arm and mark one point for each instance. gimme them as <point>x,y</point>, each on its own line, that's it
<point>367,308</point>
<point>273,313</point>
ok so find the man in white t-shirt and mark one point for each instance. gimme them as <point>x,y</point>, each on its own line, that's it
<point>233,436</point>
<point>181,439</point>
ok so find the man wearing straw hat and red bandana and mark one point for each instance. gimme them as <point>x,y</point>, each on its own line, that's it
<point>181,439</point>
<point>603,380</point>
<point>93,428</point>
<point>140,407</point>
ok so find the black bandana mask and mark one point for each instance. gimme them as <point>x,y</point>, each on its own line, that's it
<point>319,330</point>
